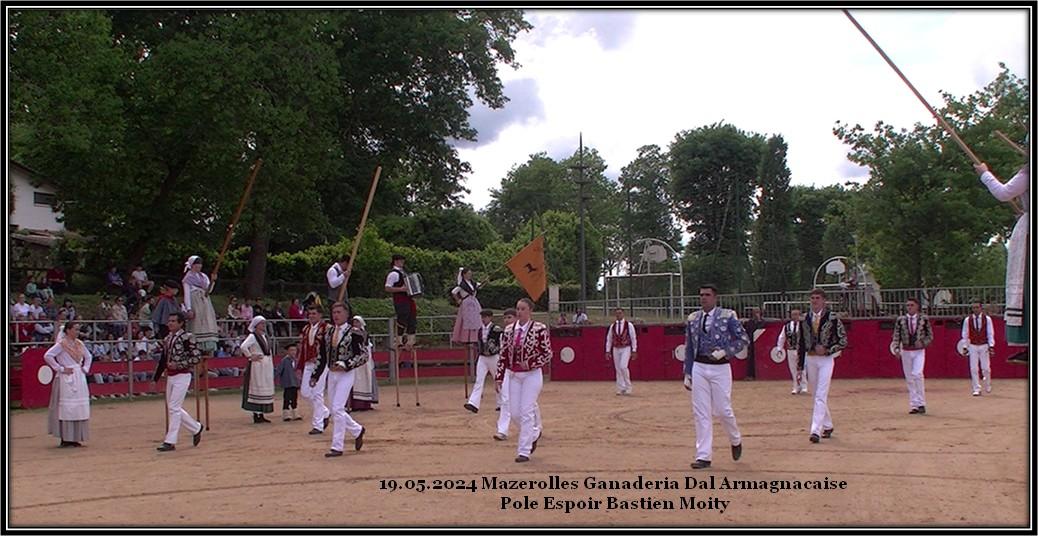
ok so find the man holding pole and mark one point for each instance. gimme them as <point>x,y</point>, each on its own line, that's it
<point>338,275</point>
<point>179,357</point>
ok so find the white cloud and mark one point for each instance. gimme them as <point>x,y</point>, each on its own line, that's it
<point>789,72</point>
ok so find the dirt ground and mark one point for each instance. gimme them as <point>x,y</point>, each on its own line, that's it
<point>963,463</point>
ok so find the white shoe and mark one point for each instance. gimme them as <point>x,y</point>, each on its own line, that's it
<point>987,389</point>
<point>618,393</point>
<point>976,393</point>
<point>793,392</point>
<point>803,390</point>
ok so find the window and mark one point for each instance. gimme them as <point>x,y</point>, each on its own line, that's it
<point>43,199</point>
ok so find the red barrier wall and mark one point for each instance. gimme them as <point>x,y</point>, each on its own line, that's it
<point>866,355</point>
<point>433,362</point>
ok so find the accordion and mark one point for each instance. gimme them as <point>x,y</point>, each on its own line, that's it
<point>413,284</point>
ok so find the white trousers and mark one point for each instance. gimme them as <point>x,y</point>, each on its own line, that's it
<point>791,360</point>
<point>979,355</point>
<point>487,364</point>
<point>315,395</point>
<point>712,396</point>
<point>523,390</point>
<point>912,362</point>
<point>339,385</point>
<point>176,390</point>
<point>819,376</point>
<point>505,419</point>
<point>621,357</point>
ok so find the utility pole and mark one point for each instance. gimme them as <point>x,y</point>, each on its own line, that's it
<point>580,209</point>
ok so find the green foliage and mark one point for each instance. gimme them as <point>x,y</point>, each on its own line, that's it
<point>147,121</point>
<point>645,191</point>
<point>819,227</point>
<point>453,229</point>
<point>713,173</point>
<point>773,245</point>
<point>923,218</point>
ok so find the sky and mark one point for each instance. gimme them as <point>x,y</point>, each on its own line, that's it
<point>632,78</point>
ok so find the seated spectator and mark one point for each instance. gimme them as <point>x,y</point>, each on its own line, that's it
<point>144,312</point>
<point>104,308</point>
<point>24,328</point>
<point>580,317</point>
<point>119,317</point>
<point>234,311</point>
<point>30,289</point>
<point>43,331</point>
<point>246,312</point>
<point>44,290</point>
<point>296,315</point>
<point>70,310</point>
<point>139,279</point>
<point>115,281</point>
<point>562,319</point>
<point>280,322</point>
<point>50,309</point>
<point>56,280</point>
<point>36,307</point>
<point>20,308</point>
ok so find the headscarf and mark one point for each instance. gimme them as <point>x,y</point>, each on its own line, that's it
<point>190,262</point>
<point>255,321</point>
<point>363,324</point>
<point>261,337</point>
<point>192,278</point>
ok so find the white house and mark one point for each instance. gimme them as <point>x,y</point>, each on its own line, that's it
<point>32,205</point>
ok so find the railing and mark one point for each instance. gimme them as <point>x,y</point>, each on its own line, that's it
<point>852,303</point>
<point>106,339</point>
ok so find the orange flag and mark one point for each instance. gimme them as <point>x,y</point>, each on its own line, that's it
<point>529,268</point>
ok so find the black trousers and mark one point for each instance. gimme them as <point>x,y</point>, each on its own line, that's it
<point>291,398</point>
<point>405,321</point>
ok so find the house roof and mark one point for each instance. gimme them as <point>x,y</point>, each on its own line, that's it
<point>34,176</point>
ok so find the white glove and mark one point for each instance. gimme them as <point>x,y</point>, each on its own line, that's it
<point>718,354</point>
<point>688,382</point>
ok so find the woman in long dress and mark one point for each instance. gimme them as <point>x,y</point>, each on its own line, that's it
<point>201,317</point>
<point>468,323</point>
<point>68,416</point>
<point>257,394</point>
<point>365,387</point>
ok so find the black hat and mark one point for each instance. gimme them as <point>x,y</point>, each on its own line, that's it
<point>170,284</point>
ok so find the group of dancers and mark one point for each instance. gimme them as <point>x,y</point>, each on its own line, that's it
<point>333,354</point>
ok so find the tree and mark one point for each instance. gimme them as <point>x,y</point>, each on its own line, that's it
<point>157,131</point>
<point>923,216</point>
<point>774,246</point>
<point>530,189</point>
<point>646,192</point>
<point>713,173</point>
<point>820,229</point>
<point>452,229</point>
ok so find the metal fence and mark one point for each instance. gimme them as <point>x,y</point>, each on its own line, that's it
<point>853,303</point>
<point>111,340</point>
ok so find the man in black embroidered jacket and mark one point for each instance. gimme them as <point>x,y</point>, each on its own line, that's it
<point>179,357</point>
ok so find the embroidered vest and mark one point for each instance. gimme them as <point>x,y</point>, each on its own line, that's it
<point>621,335</point>
<point>978,336</point>
<point>792,337</point>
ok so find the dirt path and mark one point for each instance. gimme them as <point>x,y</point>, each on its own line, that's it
<point>965,462</point>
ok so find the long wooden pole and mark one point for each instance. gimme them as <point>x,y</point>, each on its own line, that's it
<point>1011,143</point>
<point>944,124</point>
<point>360,230</point>
<point>234,220</point>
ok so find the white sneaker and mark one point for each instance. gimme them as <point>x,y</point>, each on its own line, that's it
<point>976,393</point>
<point>803,390</point>
<point>987,389</point>
<point>794,391</point>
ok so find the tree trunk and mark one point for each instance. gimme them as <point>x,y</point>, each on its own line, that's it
<point>256,270</point>
<point>139,246</point>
